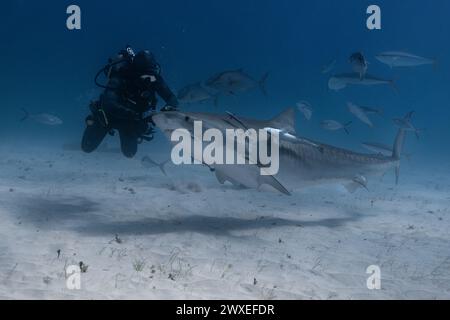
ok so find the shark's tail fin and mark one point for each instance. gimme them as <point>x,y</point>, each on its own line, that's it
<point>25,115</point>
<point>408,117</point>
<point>397,151</point>
<point>262,83</point>
<point>398,145</point>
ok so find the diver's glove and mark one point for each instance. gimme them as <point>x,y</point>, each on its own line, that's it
<point>146,131</point>
<point>169,108</point>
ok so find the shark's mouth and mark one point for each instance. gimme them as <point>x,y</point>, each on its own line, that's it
<point>168,132</point>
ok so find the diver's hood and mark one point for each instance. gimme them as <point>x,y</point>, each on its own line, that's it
<point>145,63</point>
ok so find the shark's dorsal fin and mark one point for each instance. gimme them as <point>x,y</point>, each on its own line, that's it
<point>284,121</point>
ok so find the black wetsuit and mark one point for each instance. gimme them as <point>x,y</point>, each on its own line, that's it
<point>131,92</point>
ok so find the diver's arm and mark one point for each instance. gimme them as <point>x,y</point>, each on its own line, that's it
<point>163,90</point>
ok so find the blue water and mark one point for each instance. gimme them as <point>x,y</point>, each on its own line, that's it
<point>47,68</point>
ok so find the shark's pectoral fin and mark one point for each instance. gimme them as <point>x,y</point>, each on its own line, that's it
<point>248,176</point>
<point>272,181</point>
<point>356,183</point>
<point>220,177</point>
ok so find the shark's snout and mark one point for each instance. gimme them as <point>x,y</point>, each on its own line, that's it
<point>159,119</point>
<point>170,121</point>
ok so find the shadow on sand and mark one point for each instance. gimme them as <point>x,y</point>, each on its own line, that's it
<point>50,212</point>
<point>84,216</point>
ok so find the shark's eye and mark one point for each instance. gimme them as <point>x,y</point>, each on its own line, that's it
<point>186,118</point>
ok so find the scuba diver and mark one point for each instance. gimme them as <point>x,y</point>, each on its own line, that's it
<point>128,99</point>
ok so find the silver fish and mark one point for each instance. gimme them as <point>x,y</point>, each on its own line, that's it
<point>42,118</point>
<point>359,113</point>
<point>235,81</point>
<point>405,124</point>
<point>341,81</point>
<point>369,110</point>
<point>301,163</point>
<point>305,108</point>
<point>196,93</point>
<point>334,125</point>
<point>329,66</point>
<point>403,59</point>
<point>148,162</point>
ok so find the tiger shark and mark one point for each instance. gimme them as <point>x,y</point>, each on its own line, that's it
<point>302,162</point>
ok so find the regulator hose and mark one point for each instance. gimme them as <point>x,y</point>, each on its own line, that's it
<point>104,70</point>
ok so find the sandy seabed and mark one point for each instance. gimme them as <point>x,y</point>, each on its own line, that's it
<point>147,236</point>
